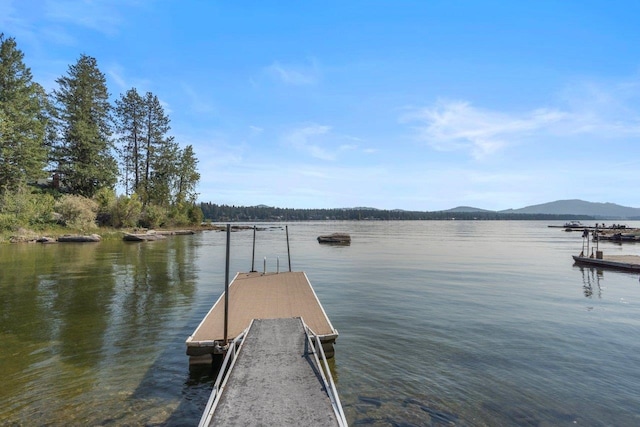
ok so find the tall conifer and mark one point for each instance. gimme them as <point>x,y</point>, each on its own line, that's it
<point>157,147</point>
<point>187,176</point>
<point>130,120</point>
<point>84,153</point>
<point>24,120</point>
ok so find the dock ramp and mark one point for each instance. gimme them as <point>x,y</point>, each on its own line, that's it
<point>275,377</point>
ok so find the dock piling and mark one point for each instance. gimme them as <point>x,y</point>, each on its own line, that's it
<point>253,255</point>
<point>226,286</point>
<point>288,251</point>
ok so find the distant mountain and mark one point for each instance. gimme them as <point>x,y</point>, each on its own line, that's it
<point>580,207</point>
<point>466,209</point>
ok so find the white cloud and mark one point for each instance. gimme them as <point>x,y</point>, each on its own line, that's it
<point>295,74</point>
<point>255,130</point>
<point>606,109</point>
<point>8,15</point>
<point>100,15</point>
<point>321,142</point>
<point>457,125</point>
<point>116,74</point>
<point>197,103</point>
<point>591,111</point>
<point>306,139</point>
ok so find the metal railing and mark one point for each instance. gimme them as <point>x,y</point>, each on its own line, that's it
<point>315,348</point>
<point>325,374</point>
<point>218,386</point>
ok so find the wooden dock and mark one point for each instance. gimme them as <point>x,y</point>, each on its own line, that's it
<point>621,262</point>
<point>276,379</point>
<point>262,296</point>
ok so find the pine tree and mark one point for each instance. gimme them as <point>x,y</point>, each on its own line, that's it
<point>187,176</point>
<point>154,166</point>
<point>130,118</point>
<point>159,150</point>
<point>24,120</point>
<point>84,153</point>
<point>163,172</point>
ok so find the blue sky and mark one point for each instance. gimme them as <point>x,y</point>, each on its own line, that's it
<point>417,105</point>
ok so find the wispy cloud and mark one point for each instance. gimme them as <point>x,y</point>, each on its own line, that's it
<point>8,16</point>
<point>322,143</point>
<point>197,103</point>
<point>589,110</point>
<point>308,139</point>
<point>606,109</point>
<point>117,74</point>
<point>100,15</point>
<point>295,74</point>
<point>13,23</point>
<point>457,125</point>
<point>255,130</point>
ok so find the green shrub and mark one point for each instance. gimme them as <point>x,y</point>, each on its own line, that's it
<point>126,211</point>
<point>24,208</point>
<point>153,217</point>
<point>8,222</point>
<point>106,200</point>
<point>196,216</point>
<point>77,212</point>
<point>179,214</point>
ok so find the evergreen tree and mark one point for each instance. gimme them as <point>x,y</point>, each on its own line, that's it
<point>84,153</point>
<point>154,166</point>
<point>163,173</point>
<point>159,151</point>
<point>187,176</point>
<point>24,120</point>
<point>130,118</point>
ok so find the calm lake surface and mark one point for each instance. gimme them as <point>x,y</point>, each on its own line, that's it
<point>441,323</point>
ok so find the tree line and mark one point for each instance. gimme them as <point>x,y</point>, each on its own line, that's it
<point>62,154</point>
<point>220,213</point>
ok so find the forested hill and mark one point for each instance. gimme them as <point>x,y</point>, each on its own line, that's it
<point>220,213</point>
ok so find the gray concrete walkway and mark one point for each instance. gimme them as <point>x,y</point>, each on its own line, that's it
<point>275,381</point>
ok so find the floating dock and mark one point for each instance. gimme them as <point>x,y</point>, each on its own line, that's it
<point>275,379</point>
<point>274,334</point>
<point>622,262</point>
<point>262,296</point>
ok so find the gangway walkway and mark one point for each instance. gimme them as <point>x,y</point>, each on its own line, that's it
<point>275,379</point>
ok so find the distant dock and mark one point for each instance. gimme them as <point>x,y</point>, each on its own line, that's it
<point>262,296</point>
<point>620,262</point>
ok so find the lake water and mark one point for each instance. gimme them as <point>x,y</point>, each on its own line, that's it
<point>441,323</point>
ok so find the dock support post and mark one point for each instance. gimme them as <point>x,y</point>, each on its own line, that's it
<point>253,255</point>
<point>226,285</point>
<point>288,251</point>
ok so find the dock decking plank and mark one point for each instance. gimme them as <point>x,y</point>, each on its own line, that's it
<point>264,296</point>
